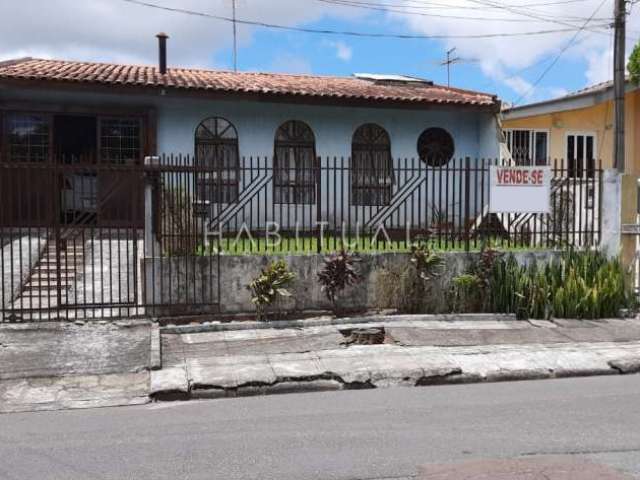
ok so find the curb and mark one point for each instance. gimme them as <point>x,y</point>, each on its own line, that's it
<point>329,321</point>
<point>314,386</point>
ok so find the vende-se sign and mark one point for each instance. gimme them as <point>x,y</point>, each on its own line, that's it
<point>520,189</point>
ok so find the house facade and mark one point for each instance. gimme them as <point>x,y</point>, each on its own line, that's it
<point>577,128</point>
<point>77,113</point>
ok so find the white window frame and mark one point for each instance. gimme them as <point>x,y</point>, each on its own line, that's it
<point>532,138</point>
<point>581,133</point>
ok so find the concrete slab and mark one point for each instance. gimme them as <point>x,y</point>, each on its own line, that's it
<point>626,364</point>
<point>420,336</point>
<point>351,365</point>
<point>230,372</point>
<point>51,349</point>
<point>295,365</point>
<point>78,391</point>
<point>604,332</point>
<point>574,323</point>
<point>169,380</point>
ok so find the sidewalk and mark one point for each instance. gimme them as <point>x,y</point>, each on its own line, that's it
<point>54,365</point>
<point>414,351</point>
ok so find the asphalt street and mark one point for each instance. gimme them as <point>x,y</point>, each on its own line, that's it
<point>364,434</point>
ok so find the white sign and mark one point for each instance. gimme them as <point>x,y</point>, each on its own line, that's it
<point>519,189</point>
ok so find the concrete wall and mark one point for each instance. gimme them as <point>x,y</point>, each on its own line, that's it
<point>18,258</point>
<point>168,281</point>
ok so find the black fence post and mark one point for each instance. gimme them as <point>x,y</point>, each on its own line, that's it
<point>318,199</point>
<point>57,228</point>
<point>467,204</point>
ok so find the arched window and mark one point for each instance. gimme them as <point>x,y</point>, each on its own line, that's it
<point>435,147</point>
<point>294,164</point>
<point>217,150</point>
<point>371,166</point>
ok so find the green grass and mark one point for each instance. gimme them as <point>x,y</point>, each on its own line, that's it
<point>309,245</point>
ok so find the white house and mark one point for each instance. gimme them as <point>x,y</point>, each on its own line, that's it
<point>86,113</point>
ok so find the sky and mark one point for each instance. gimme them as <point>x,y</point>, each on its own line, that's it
<point>518,68</point>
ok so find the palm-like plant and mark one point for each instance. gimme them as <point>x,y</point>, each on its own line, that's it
<point>337,273</point>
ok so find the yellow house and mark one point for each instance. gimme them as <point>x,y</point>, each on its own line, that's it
<point>576,128</point>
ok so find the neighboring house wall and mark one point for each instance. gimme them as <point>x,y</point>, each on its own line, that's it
<point>596,119</point>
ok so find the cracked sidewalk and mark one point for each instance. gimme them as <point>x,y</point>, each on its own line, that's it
<point>54,365</point>
<point>417,351</point>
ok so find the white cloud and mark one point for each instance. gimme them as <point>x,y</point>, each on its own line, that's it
<point>600,66</point>
<point>115,30</point>
<point>517,84</point>
<point>498,56</point>
<point>343,51</point>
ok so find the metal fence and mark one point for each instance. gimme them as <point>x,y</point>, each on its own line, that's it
<point>258,206</point>
<point>83,239</point>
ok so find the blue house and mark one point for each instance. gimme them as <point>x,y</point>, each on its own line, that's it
<point>69,112</point>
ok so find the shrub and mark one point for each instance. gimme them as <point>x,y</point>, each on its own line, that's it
<point>428,265</point>
<point>337,273</point>
<point>408,288</point>
<point>578,285</point>
<point>270,285</point>
<point>465,293</point>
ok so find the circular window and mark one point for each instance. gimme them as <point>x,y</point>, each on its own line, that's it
<point>435,147</point>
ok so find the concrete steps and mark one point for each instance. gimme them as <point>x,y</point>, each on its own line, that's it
<point>52,276</point>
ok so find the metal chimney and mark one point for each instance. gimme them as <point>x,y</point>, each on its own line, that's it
<point>162,52</point>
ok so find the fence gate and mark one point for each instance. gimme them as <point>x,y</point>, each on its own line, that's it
<point>73,242</point>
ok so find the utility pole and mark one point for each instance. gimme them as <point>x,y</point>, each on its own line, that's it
<point>620,15</point>
<point>235,37</point>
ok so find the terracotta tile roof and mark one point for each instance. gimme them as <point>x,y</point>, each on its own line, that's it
<point>305,86</point>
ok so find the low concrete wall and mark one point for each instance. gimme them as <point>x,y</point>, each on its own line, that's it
<point>184,282</point>
<point>183,285</point>
<point>18,258</point>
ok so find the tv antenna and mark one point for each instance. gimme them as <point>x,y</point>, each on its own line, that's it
<point>451,60</point>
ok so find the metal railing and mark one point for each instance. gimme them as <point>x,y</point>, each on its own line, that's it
<point>252,207</point>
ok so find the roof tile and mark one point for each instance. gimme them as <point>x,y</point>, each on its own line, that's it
<point>239,82</point>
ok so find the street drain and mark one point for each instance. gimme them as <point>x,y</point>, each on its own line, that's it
<point>364,336</point>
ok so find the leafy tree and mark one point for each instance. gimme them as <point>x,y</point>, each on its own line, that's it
<point>634,64</point>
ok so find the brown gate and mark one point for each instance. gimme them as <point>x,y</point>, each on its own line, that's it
<point>73,241</point>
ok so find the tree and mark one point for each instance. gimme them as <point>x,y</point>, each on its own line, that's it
<point>634,64</point>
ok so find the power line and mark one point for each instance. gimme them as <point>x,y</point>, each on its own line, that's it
<point>347,32</point>
<point>555,60</point>
<point>427,5</point>
<point>404,10</point>
<point>382,8</point>
<point>535,15</point>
